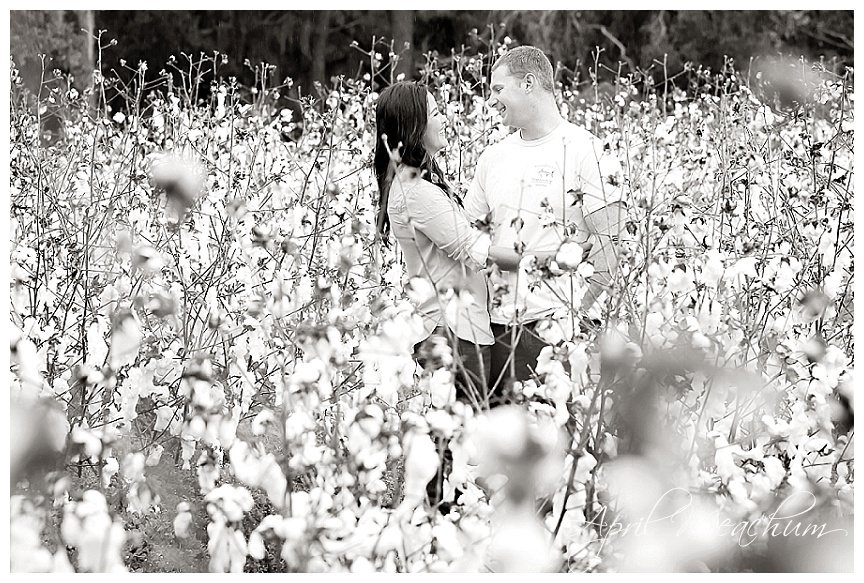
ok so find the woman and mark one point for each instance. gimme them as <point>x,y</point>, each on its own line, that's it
<point>436,239</point>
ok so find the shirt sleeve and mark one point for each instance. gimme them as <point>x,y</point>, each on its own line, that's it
<point>600,176</point>
<point>437,216</point>
<point>476,203</point>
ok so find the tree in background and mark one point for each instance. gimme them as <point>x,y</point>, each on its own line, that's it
<point>60,36</point>
<point>641,39</point>
<point>312,46</point>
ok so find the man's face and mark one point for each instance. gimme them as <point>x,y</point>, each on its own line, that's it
<point>508,97</point>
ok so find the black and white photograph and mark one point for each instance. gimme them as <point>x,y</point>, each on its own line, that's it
<point>431,291</point>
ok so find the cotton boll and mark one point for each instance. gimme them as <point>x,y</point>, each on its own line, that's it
<point>585,270</point>
<point>126,339</point>
<point>632,485</point>
<point>442,388</point>
<point>584,465</point>
<point>24,355</point>
<point>256,547</point>
<point>61,563</point>
<point>305,373</point>
<point>569,255</point>
<point>680,280</point>
<point>108,470</point>
<point>446,541</point>
<point>154,456</point>
<point>370,421</point>
<point>273,481</point>
<point>421,465</point>
<point>362,565</point>
<point>264,418</point>
<point>298,424</point>
<point>521,544</point>
<point>182,521</point>
<point>182,181</point>
<point>91,445</point>
<point>147,259</point>
<point>699,341</point>
<point>712,268</point>
<point>525,457</point>
<point>441,422</point>
<point>460,470</point>
<point>419,290</point>
<point>609,445</point>
<point>550,332</point>
<point>502,431</point>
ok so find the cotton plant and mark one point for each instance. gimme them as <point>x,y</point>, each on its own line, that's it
<point>227,546</point>
<point>231,311</point>
<point>97,536</point>
<point>522,459</point>
<point>27,551</point>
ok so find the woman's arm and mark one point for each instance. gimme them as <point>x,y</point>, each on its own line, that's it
<point>443,222</point>
<point>438,217</point>
<point>507,259</point>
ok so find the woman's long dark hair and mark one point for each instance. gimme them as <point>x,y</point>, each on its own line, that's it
<point>401,115</point>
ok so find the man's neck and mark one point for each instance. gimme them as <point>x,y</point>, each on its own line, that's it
<point>542,125</point>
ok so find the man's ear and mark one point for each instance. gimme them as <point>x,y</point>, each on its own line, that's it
<point>530,80</point>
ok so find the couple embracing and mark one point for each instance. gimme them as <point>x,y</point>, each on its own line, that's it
<point>546,184</point>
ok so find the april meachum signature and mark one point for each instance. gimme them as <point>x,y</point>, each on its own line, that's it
<point>679,513</point>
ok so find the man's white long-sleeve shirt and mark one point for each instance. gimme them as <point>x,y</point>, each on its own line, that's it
<point>538,193</point>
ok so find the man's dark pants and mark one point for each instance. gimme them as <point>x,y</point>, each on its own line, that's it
<point>514,357</point>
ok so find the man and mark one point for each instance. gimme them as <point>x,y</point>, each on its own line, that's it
<point>547,183</point>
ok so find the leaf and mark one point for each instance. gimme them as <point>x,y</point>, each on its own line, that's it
<point>484,224</point>
<point>577,195</point>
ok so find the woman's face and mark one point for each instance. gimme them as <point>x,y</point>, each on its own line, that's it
<point>433,138</point>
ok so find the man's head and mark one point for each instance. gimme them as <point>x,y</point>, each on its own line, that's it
<point>522,82</point>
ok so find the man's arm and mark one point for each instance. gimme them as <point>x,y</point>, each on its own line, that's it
<point>508,259</point>
<point>605,226</point>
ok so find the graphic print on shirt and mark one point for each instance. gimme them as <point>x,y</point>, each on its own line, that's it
<point>541,175</point>
<point>544,199</point>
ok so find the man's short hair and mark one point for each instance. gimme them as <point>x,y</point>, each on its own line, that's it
<point>523,60</point>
